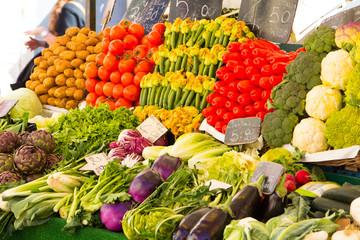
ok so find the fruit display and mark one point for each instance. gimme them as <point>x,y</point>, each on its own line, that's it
<point>114,78</point>
<point>59,74</point>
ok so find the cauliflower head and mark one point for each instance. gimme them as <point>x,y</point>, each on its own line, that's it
<point>309,135</point>
<point>321,101</point>
<point>347,35</point>
<point>336,68</point>
<point>352,92</point>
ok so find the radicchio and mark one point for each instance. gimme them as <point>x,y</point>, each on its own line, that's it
<point>118,153</point>
<point>133,141</point>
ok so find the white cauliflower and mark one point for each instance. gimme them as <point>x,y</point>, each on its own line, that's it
<point>321,101</point>
<point>336,68</point>
<point>309,135</point>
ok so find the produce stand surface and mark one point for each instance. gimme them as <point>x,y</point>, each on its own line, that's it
<point>52,230</point>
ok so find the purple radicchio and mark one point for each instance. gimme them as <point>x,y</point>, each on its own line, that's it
<point>133,141</point>
<point>118,153</point>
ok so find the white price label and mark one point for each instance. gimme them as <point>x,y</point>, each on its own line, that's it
<point>152,129</point>
<point>96,163</point>
<point>215,184</point>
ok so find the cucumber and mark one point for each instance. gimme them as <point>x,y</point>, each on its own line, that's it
<point>341,194</point>
<point>355,188</point>
<point>324,204</point>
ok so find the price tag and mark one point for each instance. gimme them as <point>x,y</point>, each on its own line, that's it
<point>195,9</point>
<point>96,163</point>
<point>152,129</point>
<point>6,106</point>
<point>215,184</point>
<point>272,172</point>
<point>242,131</point>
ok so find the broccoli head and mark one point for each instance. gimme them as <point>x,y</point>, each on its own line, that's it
<point>305,69</point>
<point>343,127</point>
<point>278,126</point>
<point>322,40</point>
<point>290,96</point>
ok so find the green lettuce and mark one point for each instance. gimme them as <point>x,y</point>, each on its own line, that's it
<point>246,229</point>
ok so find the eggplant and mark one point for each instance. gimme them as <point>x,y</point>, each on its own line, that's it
<point>166,165</point>
<point>188,222</point>
<point>273,204</point>
<point>211,225</point>
<point>245,202</point>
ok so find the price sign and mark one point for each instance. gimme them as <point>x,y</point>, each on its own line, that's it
<point>242,130</point>
<point>96,163</point>
<point>195,9</point>
<point>269,19</point>
<point>215,184</point>
<point>146,12</point>
<point>272,172</point>
<point>6,106</point>
<point>343,18</point>
<point>152,129</point>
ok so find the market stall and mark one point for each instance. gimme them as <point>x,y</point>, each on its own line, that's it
<point>205,126</point>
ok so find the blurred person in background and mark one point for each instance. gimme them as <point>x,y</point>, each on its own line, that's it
<point>64,14</point>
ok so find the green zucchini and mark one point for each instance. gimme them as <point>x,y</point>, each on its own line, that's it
<point>356,188</point>
<point>324,204</point>
<point>341,194</point>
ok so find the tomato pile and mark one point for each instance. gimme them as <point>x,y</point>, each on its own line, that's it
<point>252,69</point>
<point>114,78</point>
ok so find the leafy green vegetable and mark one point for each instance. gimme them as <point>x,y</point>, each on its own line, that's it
<point>15,125</point>
<point>246,229</point>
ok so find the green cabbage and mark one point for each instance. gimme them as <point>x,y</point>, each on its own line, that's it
<point>28,102</point>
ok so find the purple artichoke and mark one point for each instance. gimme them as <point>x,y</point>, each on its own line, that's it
<point>23,137</point>
<point>9,140</point>
<point>42,139</point>
<point>29,159</point>
<point>6,162</point>
<point>9,177</point>
<point>51,161</point>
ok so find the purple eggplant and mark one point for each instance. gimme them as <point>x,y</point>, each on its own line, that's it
<point>211,225</point>
<point>188,222</point>
<point>144,184</point>
<point>245,202</point>
<point>166,165</point>
<point>112,214</point>
<point>273,204</point>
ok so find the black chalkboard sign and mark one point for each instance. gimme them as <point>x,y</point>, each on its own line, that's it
<point>272,171</point>
<point>6,106</point>
<point>146,12</point>
<point>343,18</point>
<point>242,130</point>
<point>195,9</point>
<point>269,19</point>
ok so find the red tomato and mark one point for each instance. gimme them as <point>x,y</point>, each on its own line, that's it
<point>261,114</point>
<point>140,51</point>
<point>160,27</point>
<point>117,32</point>
<point>130,42</point>
<point>149,55</point>
<point>228,117</point>
<point>91,70</point>
<point>99,100</point>
<point>99,88</point>
<point>131,92</point>
<point>91,98</point>
<point>108,89</point>
<point>234,46</point>
<point>223,129</point>
<point>90,84</point>
<point>218,85</point>
<point>125,24</point>
<point>126,65</point>
<point>138,77</point>
<point>118,91</point>
<point>122,102</point>
<point>110,62</point>
<point>212,119</point>
<point>266,94</point>
<point>219,102</point>
<point>265,83</point>
<point>115,76</point>
<point>143,66</point>
<point>111,104</point>
<point>116,47</point>
<point>103,73</point>
<point>100,59</point>
<point>259,106</point>
<point>245,86</point>
<point>208,111</point>
<point>229,105</point>
<point>221,71</point>
<point>255,79</point>
<point>154,38</point>
<point>145,41</point>
<point>239,72</point>
<point>127,79</point>
<point>255,94</point>
<point>105,45</point>
<point>136,30</point>
<point>219,125</point>
<point>239,112</point>
<point>211,96</point>
<point>244,99</point>
<point>106,32</point>
<point>250,110</point>
<point>220,112</point>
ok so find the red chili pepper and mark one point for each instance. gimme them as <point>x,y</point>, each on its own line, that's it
<point>259,62</point>
<point>239,72</point>
<point>229,105</point>
<point>221,71</point>
<point>231,56</point>
<point>267,70</point>
<point>212,119</point>
<point>244,46</point>
<point>251,70</point>
<point>246,53</point>
<point>233,85</point>
<point>265,83</point>
<point>250,110</point>
<point>244,99</point>
<point>219,125</point>
<point>261,115</point>
<point>248,62</point>
<point>219,102</point>
<point>239,112</point>
<point>228,117</point>
<point>220,112</point>
<point>255,94</point>
<point>279,67</point>
<point>218,85</point>
<point>300,49</point>
<point>269,45</point>
<point>229,77</point>
<point>232,95</point>
<point>234,46</point>
<point>211,96</point>
<point>258,52</point>
<point>255,79</point>
<point>224,90</point>
<point>257,44</point>
<point>275,79</point>
<point>231,64</point>
<point>245,86</point>
<point>223,129</point>
<point>266,94</point>
<point>274,58</point>
<point>259,105</point>
<point>210,110</point>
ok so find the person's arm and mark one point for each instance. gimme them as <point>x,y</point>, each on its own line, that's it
<point>42,31</point>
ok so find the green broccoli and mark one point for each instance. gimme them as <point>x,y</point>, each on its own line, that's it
<point>290,96</point>
<point>322,40</point>
<point>305,69</point>
<point>278,126</point>
<point>343,127</point>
